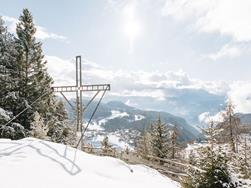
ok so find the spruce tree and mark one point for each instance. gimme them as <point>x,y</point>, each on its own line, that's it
<point>24,79</point>
<point>106,147</point>
<point>9,98</point>
<point>231,127</point>
<point>11,130</point>
<point>143,145</point>
<point>160,139</point>
<point>174,146</point>
<point>38,128</point>
<point>216,171</point>
<point>211,169</point>
<point>34,81</point>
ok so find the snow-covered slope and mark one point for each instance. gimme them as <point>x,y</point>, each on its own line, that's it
<point>126,123</point>
<point>30,163</point>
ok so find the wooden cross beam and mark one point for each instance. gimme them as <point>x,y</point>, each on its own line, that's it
<point>79,88</point>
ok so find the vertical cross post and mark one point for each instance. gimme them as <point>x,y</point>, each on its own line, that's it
<point>79,101</point>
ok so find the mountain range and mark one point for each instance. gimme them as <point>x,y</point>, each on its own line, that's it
<point>123,123</point>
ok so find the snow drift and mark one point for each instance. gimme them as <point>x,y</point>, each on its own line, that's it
<point>33,163</point>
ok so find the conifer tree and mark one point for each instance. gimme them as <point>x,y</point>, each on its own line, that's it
<point>143,145</point>
<point>231,126</point>
<point>174,145</point>
<point>9,98</point>
<point>160,139</point>
<point>12,130</point>
<point>106,147</point>
<point>34,80</point>
<point>212,133</point>
<point>211,166</point>
<point>241,161</point>
<point>24,79</point>
<point>38,127</point>
<point>216,173</point>
<point>211,171</point>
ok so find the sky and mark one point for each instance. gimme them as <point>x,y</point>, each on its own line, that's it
<point>143,46</point>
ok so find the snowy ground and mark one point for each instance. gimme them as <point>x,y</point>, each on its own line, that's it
<point>30,163</point>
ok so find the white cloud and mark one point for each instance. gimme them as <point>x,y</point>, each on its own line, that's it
<point>152,93</point>
<point>62,71</point>
<point>240,93</point>
<point>134,83</point>
<point>155,85</point>
<point>206,117</point>
<point>227,50</point>
<point>228,17</point>
<point>41,33</point>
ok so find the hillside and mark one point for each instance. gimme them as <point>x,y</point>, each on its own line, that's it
<point>245,118</point>
<point>33,163</point>
<point>185,103</point>
<point>123,124</point>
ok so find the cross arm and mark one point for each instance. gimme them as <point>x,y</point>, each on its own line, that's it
<point>95,87</point>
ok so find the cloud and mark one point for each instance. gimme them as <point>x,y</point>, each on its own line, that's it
<point>206,117</point>
<point>155,85</point>
<point>42,33</point>
<point>227,17</point>
<point>226,51</point>
<point>230,50</point>
<point>240,94</point>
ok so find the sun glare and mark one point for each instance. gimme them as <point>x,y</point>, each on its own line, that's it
<point>131,29</point>
<point>131,25</point>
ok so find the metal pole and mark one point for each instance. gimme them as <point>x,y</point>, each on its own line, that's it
<point>77,94</point>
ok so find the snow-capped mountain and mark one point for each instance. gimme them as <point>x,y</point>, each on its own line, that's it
<point>123,124</point>
<point>185,103</point>
<point>245,118</point>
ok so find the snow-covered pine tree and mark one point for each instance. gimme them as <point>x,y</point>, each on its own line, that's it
<point>212,133</point>
<point>12,130</point>
<point>160,139</point>
<point>174,146</point>
<point>38,127</point>
<point>34,80</point>
<point>241,162</point>
<point>244,157</point>
<point>143,145</point>
<point>106,147</point>
<point>24,78</point>
<point>212,171</point>
<point>212,165</point>
<point>231,127</point>
<point>9,98</point>
<point>216,173</point>
<point>59,129</point>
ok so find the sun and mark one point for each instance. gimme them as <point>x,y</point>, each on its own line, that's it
<point>132,29</point>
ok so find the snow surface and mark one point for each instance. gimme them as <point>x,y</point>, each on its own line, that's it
<point>30,163</point>
<point>115,114</point>
<point>4,114</point>
<point>114,140</point>
<point>95,127</point>
<point>138,117</point>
